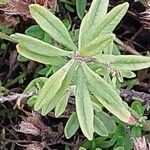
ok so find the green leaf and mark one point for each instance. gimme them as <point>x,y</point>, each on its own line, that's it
<point>72,126</point>
<point>84,106</point>
<point>36,32</point>
<point>107,121</point>
<point>80,5</point>
<point>49,105</point>
<point>52,25</point>
<point>82,148</point>
<point>62,104</point>
<point>97,45</point>
<point>107,96</point>
<point>52,86</point>
<point>36,84</point>
<point>96,12</point>
<point>124,62</point>
<point>127,74</point>
<point>56,61</point>
<point>136,132</point>
<point>31,101</point>
<point>40,47</point>
<point>105,144</point>
<point>99,127</point>
<point>109,21</point>
<point>136,106</point>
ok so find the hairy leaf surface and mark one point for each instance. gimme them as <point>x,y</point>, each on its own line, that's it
<point>97,45</point>
<point>109,22</point>
<point>107,96</point>
<point>52,25</point>
<point>84,106</point>
<point>49,105</point>
<point>71,126</point>
<point>24,51</point>
<point>40,47</point>
<point>62,104</point>
<point>124,62</point>
<point>52,86</point>
<point>96,12</point>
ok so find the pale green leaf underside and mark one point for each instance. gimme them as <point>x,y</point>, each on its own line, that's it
<point>52,86</point>
<point>96,12</point>
<point>124,62</point>
<point>40,47</point>
<point>109,21</point>
<point>106,95</point>
<point>97,45</point>
<point>84,106</point>
<point>71,126</point>
<point>62,104</point>
<point>56,61</point>
<point>52,25</point>
<point>49,105</point>
<point>101,86</point>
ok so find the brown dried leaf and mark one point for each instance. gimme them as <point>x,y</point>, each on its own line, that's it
<point>34,125</point>
<point>21,7</point>
<point>28,128</point>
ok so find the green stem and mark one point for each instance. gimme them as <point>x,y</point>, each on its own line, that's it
<point>6,37</point>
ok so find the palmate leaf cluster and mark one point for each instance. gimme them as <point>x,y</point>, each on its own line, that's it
<point>77,74</point>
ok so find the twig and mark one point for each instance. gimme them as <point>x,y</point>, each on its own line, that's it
<point>15,96</point>
<point>126,47</point>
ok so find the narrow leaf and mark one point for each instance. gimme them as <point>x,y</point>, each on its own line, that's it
<point>56,61</point>
<point>52,25</point>
<point>49,105</point>
<point>71,126</point>
<point>96,12</point>
<point>52,86</point>
<point>97,45</point>
<point>109,22</point>
<point>124,62</point>
<point>107,96</point>
<point>40,47</point>
<point>107,121</point>
<point>84,106</point>
<point>62,104</point>
<point>81,4</point>
<point>99,127</point>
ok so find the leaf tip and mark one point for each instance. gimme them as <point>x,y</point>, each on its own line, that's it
<point>33,6</point>
<point>132,120</point>
<point>125,5</point>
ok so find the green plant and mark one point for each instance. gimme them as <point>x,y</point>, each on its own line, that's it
<point>81,5</point>
<point>123,135</point>
<point>89,70</point>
